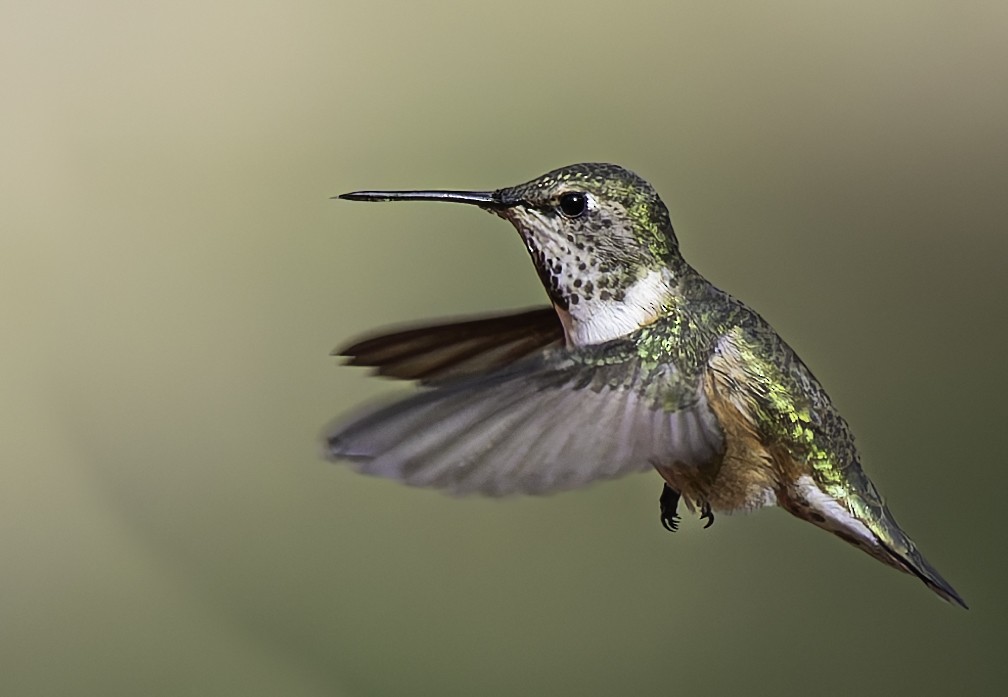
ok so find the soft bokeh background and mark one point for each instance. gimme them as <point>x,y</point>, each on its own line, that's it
<point>173,276</point>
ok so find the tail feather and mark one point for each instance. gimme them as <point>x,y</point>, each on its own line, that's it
<point>867,523</point>
<point>895,548</point>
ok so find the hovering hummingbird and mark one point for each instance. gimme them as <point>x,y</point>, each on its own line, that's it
<point>640,364</point>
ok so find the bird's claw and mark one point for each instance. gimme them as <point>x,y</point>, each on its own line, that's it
<point>707,513</point>
<point>669,502</point>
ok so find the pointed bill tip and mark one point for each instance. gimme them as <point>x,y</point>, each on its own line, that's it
<point>478,198</point>
<point>359,196</point>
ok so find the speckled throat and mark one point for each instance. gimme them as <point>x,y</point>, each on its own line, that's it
<point>661,370</point>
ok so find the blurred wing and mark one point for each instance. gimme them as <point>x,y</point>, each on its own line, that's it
<point>545,424</point>
<point>460,348</point>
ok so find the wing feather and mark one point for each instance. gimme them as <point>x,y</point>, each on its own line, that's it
<point>453,349</point>
<point>550,422</point>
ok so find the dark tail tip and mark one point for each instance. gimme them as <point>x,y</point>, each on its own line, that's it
<point>913,563</point>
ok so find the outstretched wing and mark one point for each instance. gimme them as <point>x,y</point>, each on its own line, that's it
<point>555,421</point>
<point>460,348</point>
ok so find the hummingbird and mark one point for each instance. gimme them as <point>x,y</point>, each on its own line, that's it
<point>638,364</point>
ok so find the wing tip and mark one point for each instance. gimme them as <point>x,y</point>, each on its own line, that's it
<point>336,447</point>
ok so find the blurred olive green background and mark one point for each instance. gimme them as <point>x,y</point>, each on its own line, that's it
<point>173,276</point>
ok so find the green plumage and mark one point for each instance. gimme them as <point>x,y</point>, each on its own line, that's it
<point>641,365</point>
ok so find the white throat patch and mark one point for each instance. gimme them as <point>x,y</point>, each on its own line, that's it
<point>596,321</point>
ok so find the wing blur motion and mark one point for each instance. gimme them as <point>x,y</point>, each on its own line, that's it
<point>547,423</point>
<point>449,350</point>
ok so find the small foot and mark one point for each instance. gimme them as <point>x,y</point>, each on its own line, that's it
<point>669,502</point>
<point>706,512</point>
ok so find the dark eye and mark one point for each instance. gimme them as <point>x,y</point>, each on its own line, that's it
<point>573,204</point>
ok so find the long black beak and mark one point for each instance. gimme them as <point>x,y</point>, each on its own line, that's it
<point>484,199</point>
